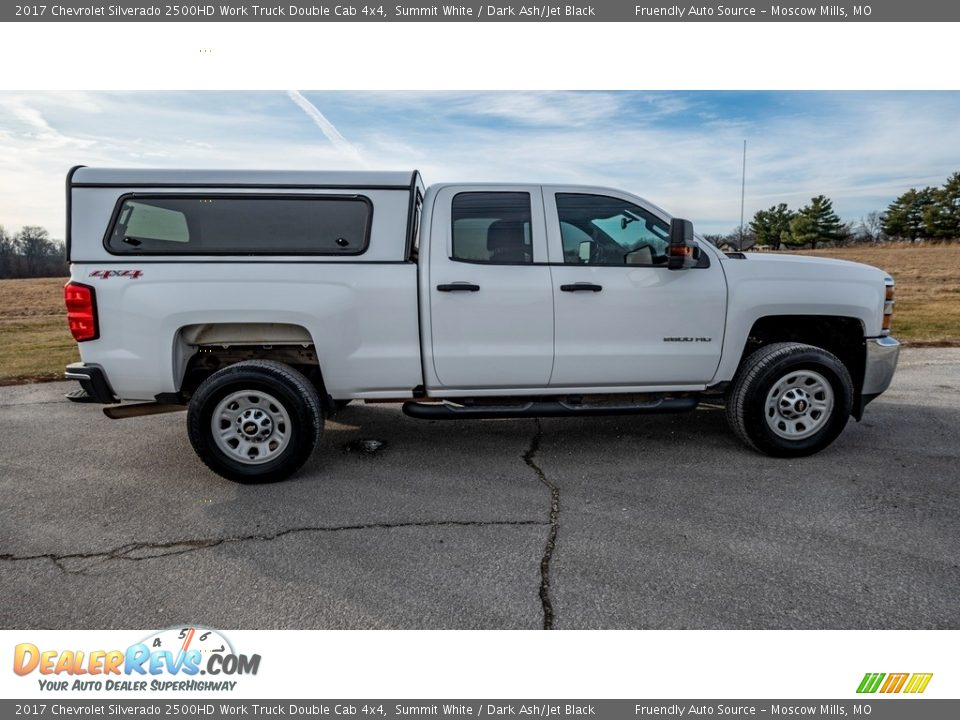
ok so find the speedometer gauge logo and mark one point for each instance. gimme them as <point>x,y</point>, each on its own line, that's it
<point>180,640</point>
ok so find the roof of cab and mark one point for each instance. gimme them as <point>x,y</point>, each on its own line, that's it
<point>151,178</point>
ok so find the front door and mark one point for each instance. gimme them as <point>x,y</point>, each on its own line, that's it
<point>491,299</point>
<point>621,317</point>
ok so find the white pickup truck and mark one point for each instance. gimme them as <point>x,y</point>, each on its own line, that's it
<point>265,301</point>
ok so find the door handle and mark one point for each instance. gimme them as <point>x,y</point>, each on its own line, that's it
<point>458,287</point>
<point>581,287</point>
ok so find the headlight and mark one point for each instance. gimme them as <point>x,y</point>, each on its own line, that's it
<point>888,304</point>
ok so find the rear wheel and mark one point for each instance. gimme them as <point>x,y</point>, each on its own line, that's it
<point>255,421</point>
<point>790,400</point>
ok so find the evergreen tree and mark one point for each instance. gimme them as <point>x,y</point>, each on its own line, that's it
<point>817,222</point>
<point>772,226</point>
<point>941,219</point>
<point>904,217</point>
<point>803,231</point>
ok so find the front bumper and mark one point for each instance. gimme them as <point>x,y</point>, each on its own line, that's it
<point>880,363</point>
<point>882,355</point>
<point>93,380</point>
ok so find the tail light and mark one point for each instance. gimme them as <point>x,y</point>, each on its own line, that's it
<point>888,303</point>
<point>81,301</point>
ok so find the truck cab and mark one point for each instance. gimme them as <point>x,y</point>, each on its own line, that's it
<point>563,289</point>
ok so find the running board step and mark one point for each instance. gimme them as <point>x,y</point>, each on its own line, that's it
<point>121,412</point>
<point>446,411</point>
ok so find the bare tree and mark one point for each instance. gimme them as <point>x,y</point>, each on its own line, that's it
<point>872,224</point>
<point>40,255</point>
<point>7,252</point>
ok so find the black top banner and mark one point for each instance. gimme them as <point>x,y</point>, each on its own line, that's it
<point>467,11</point>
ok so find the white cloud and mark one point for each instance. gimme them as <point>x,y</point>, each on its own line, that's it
<point>327,128</point>
<point>681,151</point>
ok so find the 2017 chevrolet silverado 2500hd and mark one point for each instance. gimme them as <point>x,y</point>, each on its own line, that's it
<point>263,301</point>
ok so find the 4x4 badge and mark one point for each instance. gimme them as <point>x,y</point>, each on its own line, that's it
<point>105,274</point>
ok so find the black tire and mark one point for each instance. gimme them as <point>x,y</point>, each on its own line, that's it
<point>296,402</point>
<point>748,410</point>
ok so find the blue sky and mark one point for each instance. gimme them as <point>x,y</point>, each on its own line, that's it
<point>681,150</point>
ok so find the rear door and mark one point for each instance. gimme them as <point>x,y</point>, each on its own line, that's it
<point>490,292</point>
<point>622,317</point>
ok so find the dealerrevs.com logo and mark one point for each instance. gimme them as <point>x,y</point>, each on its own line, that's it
<point>911,683</point>
<point>172,659</point>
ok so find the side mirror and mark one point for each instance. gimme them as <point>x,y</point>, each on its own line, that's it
<point>681,249</point>
<point>584,251</point>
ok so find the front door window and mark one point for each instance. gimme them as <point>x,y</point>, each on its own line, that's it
<point>602,230</point>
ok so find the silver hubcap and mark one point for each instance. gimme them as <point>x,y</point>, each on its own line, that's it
<point>251,426</point>
<point>799,404</point>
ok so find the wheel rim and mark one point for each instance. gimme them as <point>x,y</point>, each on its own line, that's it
<point>251,427</point>
<point>799,404</point>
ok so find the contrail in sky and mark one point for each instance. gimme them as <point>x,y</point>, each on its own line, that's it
<point>326,127</point>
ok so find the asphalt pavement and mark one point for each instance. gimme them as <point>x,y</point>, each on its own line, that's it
<point>632,522</point>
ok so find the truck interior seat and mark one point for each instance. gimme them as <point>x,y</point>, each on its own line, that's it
<point>507,243</point>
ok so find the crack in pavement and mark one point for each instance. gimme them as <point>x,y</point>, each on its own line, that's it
<point>135,552</point>
<point>554,523</point>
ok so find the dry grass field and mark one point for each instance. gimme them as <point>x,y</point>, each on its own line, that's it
<point>36,345</point>
<point>928,288</point>
<point>34,341</point>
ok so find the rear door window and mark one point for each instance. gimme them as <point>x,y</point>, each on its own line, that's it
<point>492,227</point>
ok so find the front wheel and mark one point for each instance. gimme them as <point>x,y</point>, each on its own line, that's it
<point>790,400</point>
<point>254,422</point>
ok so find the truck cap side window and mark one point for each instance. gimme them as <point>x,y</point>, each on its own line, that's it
<point>602,230</point>
<point>240,225</point>
<point>492,227</point>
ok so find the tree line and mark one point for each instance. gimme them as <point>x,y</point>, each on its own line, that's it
<point>932,213</point>
<point>31,253</point>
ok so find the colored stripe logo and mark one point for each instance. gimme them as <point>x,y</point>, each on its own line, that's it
<point>894,682</point>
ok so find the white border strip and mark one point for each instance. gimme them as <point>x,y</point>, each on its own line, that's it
<point>437,56</point>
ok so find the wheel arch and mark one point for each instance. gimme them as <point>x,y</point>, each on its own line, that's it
<point>201,349</point>
<point>840,335</point>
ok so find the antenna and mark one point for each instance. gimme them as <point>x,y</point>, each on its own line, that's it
<point>743,195</point>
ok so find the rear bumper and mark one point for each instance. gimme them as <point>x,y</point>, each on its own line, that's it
<point>93,380</point>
